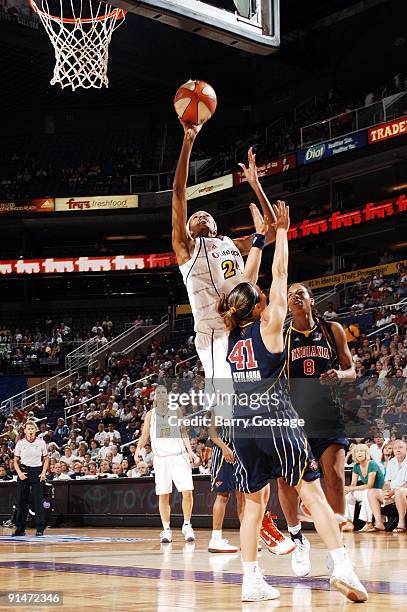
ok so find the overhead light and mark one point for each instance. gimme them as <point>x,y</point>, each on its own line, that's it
<point>243,228</point>
<point>398,187</point>
<point>132,237</point>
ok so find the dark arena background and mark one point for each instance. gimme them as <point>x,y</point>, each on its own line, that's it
<point>94,313</point>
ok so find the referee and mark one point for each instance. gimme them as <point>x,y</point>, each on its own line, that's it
<point>31,464</point>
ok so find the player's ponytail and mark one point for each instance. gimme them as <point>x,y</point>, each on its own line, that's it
<point>238,305</point>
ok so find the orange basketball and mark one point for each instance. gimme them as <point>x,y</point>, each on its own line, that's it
<point>195,102</point>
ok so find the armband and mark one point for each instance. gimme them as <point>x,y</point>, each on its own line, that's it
<point>259,241</point>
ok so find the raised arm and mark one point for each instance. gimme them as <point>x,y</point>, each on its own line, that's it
<point>250,172</point>
<point>252,267</point>
<point>273,317</point>
<point>182,245</point>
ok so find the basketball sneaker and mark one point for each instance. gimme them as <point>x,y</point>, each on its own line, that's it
<point>300,561</point>
<point>344,579</point>
<point>273,539</point>
<point>257,589</point>
<point>188,533</point>
<point>166,536</point>
<point>222,546</point>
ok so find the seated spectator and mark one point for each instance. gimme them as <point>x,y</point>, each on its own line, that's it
<point>140,470</point>
<point>105,469</point>
<point>58,474</point>
<point>370,474</point>
<point>53,452</point>
<point>68,457</point>
<point>4,477</point>
<point>376,449</point>
<point>116,456</point>
<point>330,312</point>
<point>106,449</point>
<point>203,452</point>
<point>125,466</point>
<point>114,435</point>
<point>76,470</point>
<point>94,449</point>
<point>147,455</point>
<point>117,470</point>
<point>396,477</point>
<point>101,434</point>
<point>92,468</point>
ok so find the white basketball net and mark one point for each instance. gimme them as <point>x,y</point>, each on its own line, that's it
<point>80,35</point>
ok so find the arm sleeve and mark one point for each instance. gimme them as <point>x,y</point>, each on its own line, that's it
<point>17,450</point>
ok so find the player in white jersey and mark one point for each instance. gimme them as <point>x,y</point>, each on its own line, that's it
<point>212,264</point>
<point>172,461</point>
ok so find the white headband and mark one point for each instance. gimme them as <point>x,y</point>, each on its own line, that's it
<point>189,235</point>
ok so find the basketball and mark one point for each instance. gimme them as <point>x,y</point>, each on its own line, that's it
<point>195,102</point>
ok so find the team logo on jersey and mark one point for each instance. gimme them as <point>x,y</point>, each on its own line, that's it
<point>313,464</point>
<point>318,337</point>
<point>218,483</point>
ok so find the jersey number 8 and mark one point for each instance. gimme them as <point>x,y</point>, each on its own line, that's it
<point>309,367</point>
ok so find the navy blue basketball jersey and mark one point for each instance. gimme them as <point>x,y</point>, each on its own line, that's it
<point>309,354</point>
<point>256,371</point>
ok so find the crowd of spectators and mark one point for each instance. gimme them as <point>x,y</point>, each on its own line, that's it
<point>44,347</point>
<point>26,175</point>
<point>92,427</point>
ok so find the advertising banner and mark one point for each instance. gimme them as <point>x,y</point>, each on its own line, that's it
<point>43,205</point>
<point>338,220</point>
<point>391,129</point>
<point>275,166</point>
<point>356,275</point>
<point>118,263</point>
<point>342,144</point>
<point>372,211</point>
<point>96,203</point>
<point>212,186</point>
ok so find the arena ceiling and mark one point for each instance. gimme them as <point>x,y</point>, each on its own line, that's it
<point>147,58</point>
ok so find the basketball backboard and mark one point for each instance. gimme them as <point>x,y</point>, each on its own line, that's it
<point>249,25</point>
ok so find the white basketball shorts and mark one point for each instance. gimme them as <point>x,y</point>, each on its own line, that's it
<point>212,351</point>
<point>172,469</point>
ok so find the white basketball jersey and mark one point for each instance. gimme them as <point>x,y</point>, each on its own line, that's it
<point>166,439</point>
<point>215,267</point>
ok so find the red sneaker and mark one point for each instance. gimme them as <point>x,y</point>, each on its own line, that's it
<point>273,539</point>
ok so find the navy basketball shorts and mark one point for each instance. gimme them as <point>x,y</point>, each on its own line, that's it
<point>222,477</point>
<point>267,451</point>
<point>319,445</point>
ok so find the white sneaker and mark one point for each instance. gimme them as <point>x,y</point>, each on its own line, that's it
<point>166,536</point>
<point>300,561</point>
<point>222,546</point>
<point>188,533</point>
<point>257,589</point>
<point>346,582</point>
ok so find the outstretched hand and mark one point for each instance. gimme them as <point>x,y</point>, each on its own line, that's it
<point>191,130</point>
<point>250,171</point>
<point>260,224</point>
<point>282,213</point>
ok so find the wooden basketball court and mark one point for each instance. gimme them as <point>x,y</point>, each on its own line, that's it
<point>128,569</point>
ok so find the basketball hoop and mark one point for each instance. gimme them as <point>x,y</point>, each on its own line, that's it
<point>80,34</point>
